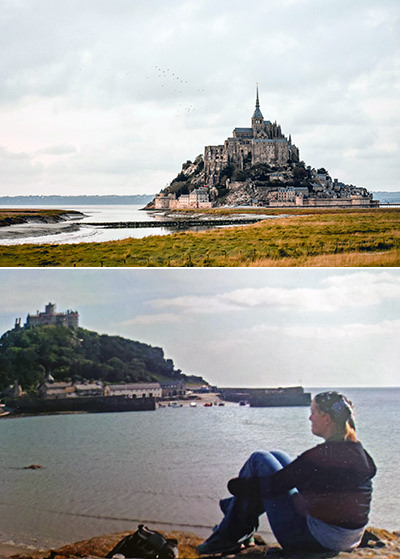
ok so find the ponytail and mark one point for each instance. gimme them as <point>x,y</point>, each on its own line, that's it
<point>350,431</point>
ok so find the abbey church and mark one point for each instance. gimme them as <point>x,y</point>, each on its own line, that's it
<point>263,142</point>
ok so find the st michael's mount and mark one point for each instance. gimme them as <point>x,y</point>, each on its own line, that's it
<point>257,166</point>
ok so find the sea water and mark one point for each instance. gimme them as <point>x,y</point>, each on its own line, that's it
<point>103,473</point>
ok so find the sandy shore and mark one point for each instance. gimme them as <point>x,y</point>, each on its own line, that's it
<point>25,230</point>
<point>7,550</point>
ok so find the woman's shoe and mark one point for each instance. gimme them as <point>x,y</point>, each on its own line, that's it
<point>217,544</point>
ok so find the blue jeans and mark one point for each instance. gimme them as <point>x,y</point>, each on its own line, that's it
<point>287,522</point>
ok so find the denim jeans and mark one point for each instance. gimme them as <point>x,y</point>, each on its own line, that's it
<point>288,524</point>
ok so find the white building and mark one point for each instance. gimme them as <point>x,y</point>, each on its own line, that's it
<point>134,390</point>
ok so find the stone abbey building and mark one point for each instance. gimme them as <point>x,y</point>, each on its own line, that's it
<point>263,142</point>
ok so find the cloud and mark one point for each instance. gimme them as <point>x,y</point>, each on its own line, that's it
<point>363,288</point>
<point>151,319</point>
<point>386,328</point>
<point>164,80</point>
<point>353,290</point>
<point>197,304</point>
<point>18,167</point>
<point>60,149</point>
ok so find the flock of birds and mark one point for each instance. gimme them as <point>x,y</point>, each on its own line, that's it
<point>169,80</point>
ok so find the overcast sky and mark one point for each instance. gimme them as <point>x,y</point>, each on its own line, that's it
<point>250,327</point>
<point>112,96</point>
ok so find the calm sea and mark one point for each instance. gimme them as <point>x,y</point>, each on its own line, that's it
<point>104,473</point>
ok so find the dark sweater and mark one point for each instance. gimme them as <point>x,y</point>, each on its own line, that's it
<point>334,479</point>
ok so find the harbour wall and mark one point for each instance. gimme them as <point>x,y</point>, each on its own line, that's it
<point>88,404</point>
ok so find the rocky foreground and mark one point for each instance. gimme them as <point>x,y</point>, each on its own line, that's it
<point>377,543</point>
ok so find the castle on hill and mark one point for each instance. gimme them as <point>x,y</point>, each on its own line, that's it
<point>263,142</point>
<point>50,317</point>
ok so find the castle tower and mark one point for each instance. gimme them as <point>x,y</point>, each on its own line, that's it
<point>257,121</point>
<point>50,308</point>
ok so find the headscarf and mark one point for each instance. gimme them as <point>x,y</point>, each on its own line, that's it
<point>337,406</point>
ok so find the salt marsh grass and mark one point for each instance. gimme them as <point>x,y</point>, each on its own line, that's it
<point>362,237</point>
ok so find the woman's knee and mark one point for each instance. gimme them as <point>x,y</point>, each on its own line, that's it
<point>282,457</point>
<point>263,463</point>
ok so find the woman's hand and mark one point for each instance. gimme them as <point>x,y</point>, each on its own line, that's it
<point>244,486</point>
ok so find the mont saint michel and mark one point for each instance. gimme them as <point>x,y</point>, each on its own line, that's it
<point>257,166</point>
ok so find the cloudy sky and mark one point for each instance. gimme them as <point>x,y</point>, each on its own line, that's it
<point>111,97</point>
<point>251,327</point>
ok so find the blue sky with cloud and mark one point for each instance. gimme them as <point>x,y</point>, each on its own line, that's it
<point>101,97</point>
<point>246,327</point>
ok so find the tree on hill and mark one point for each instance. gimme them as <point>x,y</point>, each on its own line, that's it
<point>28,355</point>
<point>188,179</point>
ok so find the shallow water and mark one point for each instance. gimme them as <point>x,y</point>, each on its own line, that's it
<point>79,230</point>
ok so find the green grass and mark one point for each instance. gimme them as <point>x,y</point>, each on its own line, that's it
<point>359,237</point>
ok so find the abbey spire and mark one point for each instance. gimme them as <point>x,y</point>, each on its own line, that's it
<point>257,113</point>
<point>257,120</point>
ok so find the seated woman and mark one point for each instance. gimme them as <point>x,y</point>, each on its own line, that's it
<point>319,501</point>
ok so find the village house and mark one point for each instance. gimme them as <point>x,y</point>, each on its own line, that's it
<point>56,390</point>
<point>172,389</point>
<point>86,390</point>
<point>134,390</point>
<point>51,389</point>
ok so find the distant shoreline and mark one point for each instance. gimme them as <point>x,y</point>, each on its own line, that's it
<point>81,200</point>
<point>385,197</point>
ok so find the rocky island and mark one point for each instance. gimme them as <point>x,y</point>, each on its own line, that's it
<point>257,166</point>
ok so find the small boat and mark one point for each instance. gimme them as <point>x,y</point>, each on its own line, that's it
<point>193,404</point>
<point>208,404</point>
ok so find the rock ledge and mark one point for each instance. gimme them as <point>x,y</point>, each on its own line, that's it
<point>378,543</point>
